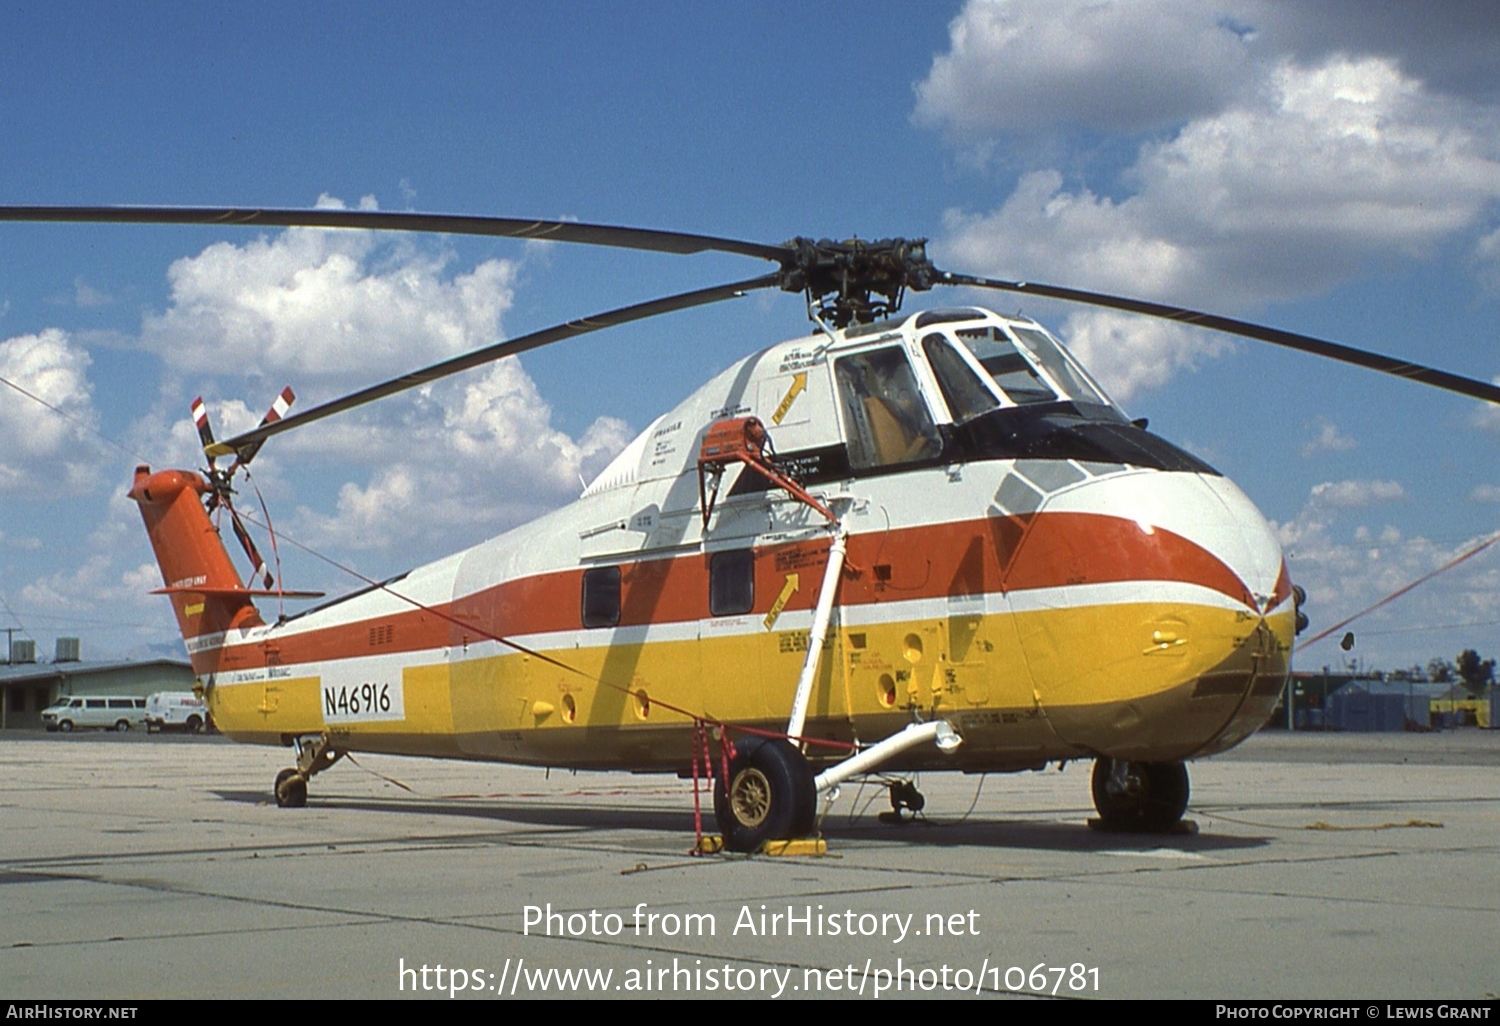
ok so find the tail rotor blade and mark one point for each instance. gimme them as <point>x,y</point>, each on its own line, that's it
<point>205,431</point>
<point>282,403</point>
<point>257,561</point>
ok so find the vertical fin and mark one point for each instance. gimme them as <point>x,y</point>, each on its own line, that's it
<point>191,554</point>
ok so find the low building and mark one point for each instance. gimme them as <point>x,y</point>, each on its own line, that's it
<point>28,688</point>
<point>1460,707</point>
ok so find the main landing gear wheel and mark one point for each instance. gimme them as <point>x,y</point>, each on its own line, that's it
<point>1140,797</point>
<point>769,795</point>
<point>291,789</point>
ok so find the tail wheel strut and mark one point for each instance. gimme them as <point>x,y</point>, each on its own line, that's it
<point>314,755</point>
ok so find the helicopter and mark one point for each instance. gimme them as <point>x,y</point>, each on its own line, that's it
<point>903,542</point>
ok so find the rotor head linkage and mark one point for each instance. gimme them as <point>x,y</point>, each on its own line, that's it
<point>856,282</point>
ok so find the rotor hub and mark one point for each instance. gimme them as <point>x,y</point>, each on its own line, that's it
<point>855,281</point>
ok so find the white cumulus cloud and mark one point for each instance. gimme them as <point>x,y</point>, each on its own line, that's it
<point>1026,65</point>
<point>1261,172</point>
<point>42,450</point>
<point>324,305</point>
<point>1322,172</point>
<point>1328,439</point>
<point>1356,494</point>
<point>333,311</point>
<point>1130,355</point>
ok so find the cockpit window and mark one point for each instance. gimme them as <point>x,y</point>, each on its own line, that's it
<point>1057,365</point>
<point>884,414</point>
<point>962,389</point>
<point>1014,373</point>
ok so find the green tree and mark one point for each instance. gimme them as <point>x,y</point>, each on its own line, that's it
<point>1476,674</point>
<point>1439,671</point>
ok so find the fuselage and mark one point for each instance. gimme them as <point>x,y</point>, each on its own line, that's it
<point>1023,562</point>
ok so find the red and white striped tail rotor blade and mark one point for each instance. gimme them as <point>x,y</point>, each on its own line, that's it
<point>205,432</point>
<point>280,406</point>
<point>278,410</point>
<point>257,561</point>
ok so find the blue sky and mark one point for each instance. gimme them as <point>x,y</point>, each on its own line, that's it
<point>1335,174</point>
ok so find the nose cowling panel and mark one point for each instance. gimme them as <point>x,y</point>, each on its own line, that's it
<point>1153,610</point>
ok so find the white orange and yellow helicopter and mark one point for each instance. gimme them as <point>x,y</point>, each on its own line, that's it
<point>900,543</point>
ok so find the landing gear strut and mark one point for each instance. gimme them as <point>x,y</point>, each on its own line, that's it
<point>1140,797</point>
<point>314,755</point>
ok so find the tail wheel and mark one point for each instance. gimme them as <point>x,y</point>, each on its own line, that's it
<point>1146,797</point>
<point>291,789</point>
<point>769,795</point>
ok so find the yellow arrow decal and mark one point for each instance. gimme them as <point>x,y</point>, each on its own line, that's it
<point>799,385</point>
<point>787,591</point>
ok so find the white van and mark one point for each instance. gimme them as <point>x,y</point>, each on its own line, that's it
<point>176,710</point>
<point>109,712</point>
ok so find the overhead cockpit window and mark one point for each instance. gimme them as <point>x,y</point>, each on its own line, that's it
<point>1058,366</point>
<point>963,391</point>
<point>1014,373</point>
<point>884,414</point>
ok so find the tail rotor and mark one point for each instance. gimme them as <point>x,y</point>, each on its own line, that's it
<point>220,481</point>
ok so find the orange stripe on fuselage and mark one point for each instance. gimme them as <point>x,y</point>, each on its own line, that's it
<point>934,561</point>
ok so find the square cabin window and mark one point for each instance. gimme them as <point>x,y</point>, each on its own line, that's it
<point>731,582</point>
<point>601,596</point>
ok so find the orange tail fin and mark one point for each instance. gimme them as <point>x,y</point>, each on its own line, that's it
<point>205,589</point>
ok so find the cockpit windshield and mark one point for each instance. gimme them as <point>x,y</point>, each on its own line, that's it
<point>1068,376</point>
<point>1015,375</point>
<point>1035,371</point>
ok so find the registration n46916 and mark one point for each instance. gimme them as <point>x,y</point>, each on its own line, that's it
<point>363,702</point>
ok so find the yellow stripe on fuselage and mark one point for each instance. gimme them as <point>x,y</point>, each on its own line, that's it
<point>1062,657</point>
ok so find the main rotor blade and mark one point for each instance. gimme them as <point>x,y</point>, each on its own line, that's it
<point>1303,343</point>
<point>381,220</point>
<point>252,439</point>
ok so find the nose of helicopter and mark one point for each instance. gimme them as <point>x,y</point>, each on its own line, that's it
<point>1153,608</point>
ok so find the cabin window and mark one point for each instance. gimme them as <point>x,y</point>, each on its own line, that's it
<point>121,703</point>
<point>601,596</point>
<point>962,390</point>
<point>884,415</point>
<point>731,582</point>
<point>93,703</point>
